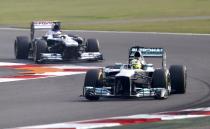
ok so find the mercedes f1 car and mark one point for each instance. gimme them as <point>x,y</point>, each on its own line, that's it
<point>60,47</point>
<point>122,80</point>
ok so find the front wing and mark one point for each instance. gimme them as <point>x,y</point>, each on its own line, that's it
<point>91,56</point>
<point>141,92</point>
<point>87,56</point>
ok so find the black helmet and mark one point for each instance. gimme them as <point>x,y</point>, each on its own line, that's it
<point>137,54</point>
<point>56,27</point>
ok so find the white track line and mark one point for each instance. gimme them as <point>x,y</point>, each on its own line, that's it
<point>126,120</point>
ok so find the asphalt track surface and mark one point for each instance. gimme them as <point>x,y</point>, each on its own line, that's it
<point>55,100</point>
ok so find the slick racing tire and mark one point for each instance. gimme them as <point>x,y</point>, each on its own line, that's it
<point>93,79</point>
<point>92,45</point>
<point>40,47</point>
<point>21,47</point>
<point>159,80</point>
<point>178,77</point>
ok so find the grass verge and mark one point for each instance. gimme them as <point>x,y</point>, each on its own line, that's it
<point>121,15</point>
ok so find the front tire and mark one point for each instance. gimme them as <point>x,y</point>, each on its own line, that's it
<point>93,79</point>
<point>159,80</point>
<point>92,45</point>
<point>40,47</point>
<point>21,47</point>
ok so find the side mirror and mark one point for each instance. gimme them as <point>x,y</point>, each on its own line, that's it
<point>149,65</point>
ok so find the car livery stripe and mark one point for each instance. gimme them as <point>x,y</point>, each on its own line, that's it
<point>127,120</point>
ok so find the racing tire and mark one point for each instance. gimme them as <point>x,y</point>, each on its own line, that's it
<point>92,45</point>
<point>93,78</point>
<point>178,78</point>
<point>21,47</point>
<point>159,80</point>
<point>40,47</point>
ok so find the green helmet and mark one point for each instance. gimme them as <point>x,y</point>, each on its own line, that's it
<point>136,64</point>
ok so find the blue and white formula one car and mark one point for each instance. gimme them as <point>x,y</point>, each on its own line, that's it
<point>122,80</point>
<point>59,47</point>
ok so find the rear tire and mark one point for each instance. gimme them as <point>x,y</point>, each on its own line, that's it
<point>40,47</point>
<point>21,47</point>
<point>93,79</point>
<point>178,77</point>
<point>92,45</point>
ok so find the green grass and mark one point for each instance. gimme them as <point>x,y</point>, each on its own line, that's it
<point>193,26</point>
<point>126,15</point>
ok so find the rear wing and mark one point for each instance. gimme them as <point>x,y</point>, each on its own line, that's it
<point>148,52</point>
<point>42,25</point>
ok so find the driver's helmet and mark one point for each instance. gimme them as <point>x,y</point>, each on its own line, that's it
<point>137,55</point>
<point>56,28</point>
<point>136,64</point>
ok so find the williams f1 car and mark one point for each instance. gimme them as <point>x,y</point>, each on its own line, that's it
<point>122,80</point>
<point>60,47</point>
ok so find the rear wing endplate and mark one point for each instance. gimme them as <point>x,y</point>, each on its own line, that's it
<point>42,25</point>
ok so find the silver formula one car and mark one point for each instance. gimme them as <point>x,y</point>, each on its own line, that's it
<point>122,80</point>
<point>60,47</point>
